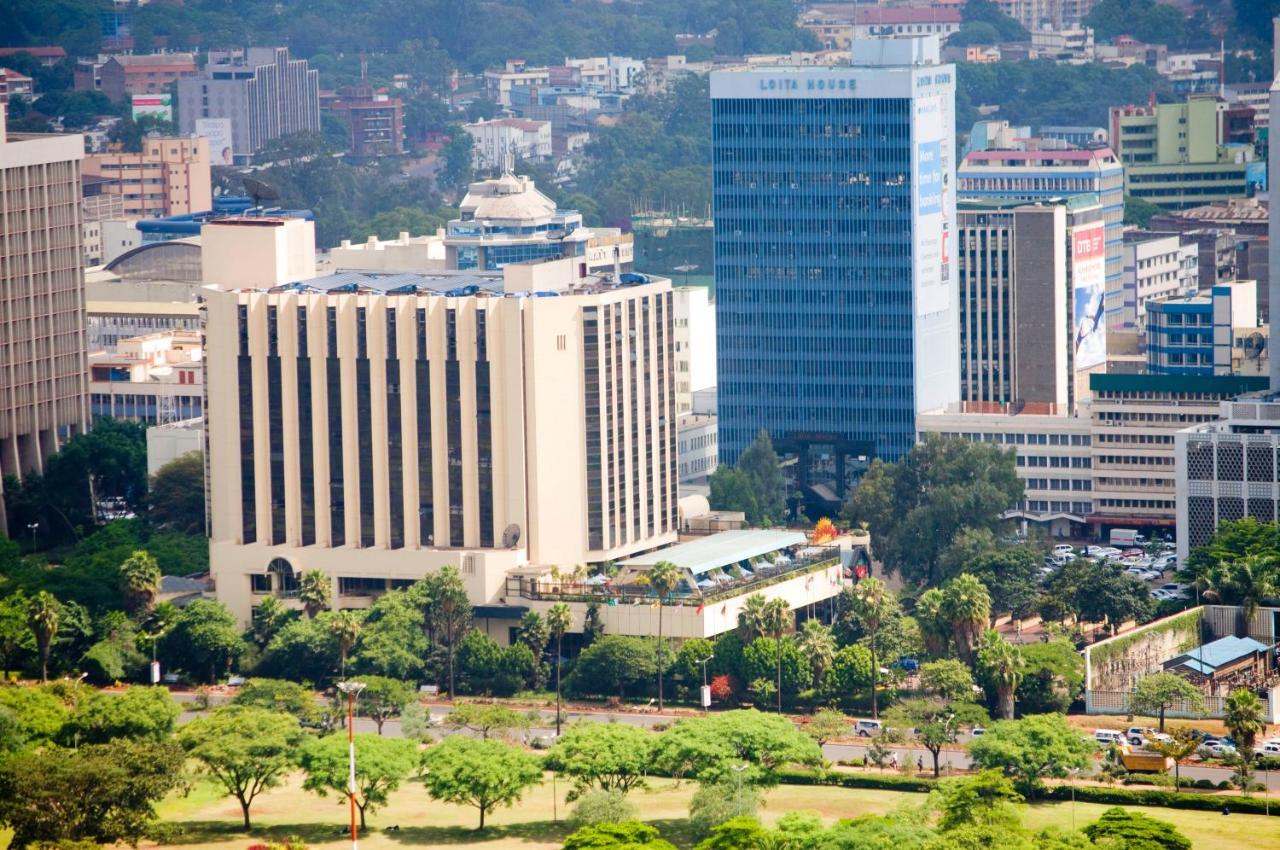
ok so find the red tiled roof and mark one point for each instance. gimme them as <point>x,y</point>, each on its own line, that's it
<point>38,52</point>
<point>890,15</point>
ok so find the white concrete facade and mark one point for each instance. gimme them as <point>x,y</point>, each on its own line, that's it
<point>500,138</point>
<point>695,335</point>
<point>1160,267</point>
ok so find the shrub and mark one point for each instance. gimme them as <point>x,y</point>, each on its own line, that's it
<point>595,807</point>
<point>714,804</point>
<point>1160,798</point>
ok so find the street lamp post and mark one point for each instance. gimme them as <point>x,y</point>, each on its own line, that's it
<point>352,690</point>
<point>737,805</point>
<point>33,527</point>
<point>1073,771</point>
<point>706,693</point>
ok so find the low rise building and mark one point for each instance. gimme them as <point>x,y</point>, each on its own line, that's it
<point>1196,334</point>
<point>13,84</point>
<point>1068,44</point>
<point>503,140</point>
<point>1134,423</point>
<point>154,378</point>
<point>695,343</point>
<point>1158,266</point>
<point>697,447</point>
<point>124,75</point>
<point>170,176</point>
<point>375,119</point>
<point>168,441</point>
<point>1053,457</point>
<point>1226,469</point>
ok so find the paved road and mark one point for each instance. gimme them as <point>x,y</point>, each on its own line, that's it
<point>844,751</point>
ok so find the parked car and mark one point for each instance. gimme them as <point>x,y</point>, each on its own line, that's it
<point>977,732</point>
<point>1102,551</point>
<point>1139,736</point>
<point>868,728</point>
<point>1107,737</point>
<point>1063,547</point>
<point>1216,749</point>
<point>1270,748</point>
<point>907,664</point>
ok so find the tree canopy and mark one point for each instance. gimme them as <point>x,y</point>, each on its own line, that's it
<point>1031,749</point>
<point>604,756</point>
<point>707,748</point>
<point>481,774</point>
<point>384,764</point>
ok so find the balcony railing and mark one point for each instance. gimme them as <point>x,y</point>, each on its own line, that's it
<point>762,576</point>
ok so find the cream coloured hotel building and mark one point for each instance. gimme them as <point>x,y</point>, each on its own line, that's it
<point>380,426</point>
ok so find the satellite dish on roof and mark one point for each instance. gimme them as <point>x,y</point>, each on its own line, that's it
<point>511,536</point>
<point>259,191</point>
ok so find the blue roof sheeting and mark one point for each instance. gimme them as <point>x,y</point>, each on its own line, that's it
<point>1208,659</point>
<point>720,550</point>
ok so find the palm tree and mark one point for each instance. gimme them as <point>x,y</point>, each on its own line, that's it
<point>751,617</point>
<point>775,618</point>
<point>346,626</point>
<point>1247,582</point>
<point>140,581</point>
<point>935,628</point>
<point>1243,716</point>
<point>315,590</point>
<point>559,621</point>
<point>873,605</point>
<point>268,616</point>
<point>968,608</point>
<point>1181,745</point>
<point>44,614</point>
<point>663,578</point>
<point>816,642</point>
<point>1001,664</point>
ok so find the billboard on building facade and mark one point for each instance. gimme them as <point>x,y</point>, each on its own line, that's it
<point>218,132</point>
<point>160,105</point>
<point>1088,284</point>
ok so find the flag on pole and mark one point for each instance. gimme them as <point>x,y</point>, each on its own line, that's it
<point>701,605</point>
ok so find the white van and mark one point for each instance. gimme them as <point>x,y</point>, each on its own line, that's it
<point>1107,737</point>
<point>1063,548</point>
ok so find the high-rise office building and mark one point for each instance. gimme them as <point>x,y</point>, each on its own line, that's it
<point>379,426</point>
<point>1033,175</point>
<point>836,297</point>
<point>43,380</point>
<point>264,93</point>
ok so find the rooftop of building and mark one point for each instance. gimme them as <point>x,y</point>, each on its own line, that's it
<point>157,60</point>
<point>1101,155</point>
<point>1223,385</point>
<point>509,198</point>
<point>1228,212</point>
<point>528,125</point>
<point>47,52</point>
<point>1082,200</point>
<point>720,550</point>
<point>452,283</point>
<point>1213,656</point>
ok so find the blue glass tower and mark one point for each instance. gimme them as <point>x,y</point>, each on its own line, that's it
<point>836,296</point>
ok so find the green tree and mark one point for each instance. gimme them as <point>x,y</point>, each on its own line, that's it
<point>1032,748</point>
<point>1138,212</point>
<point>613,757</point>
<point>140,581</point>
<point>873,605</point>
<point>762,658</point>
<point>345,626</point>
<point>816,642</point>
<point>826,724</point>
<point>631,835</point>
<point>99,794</point>
<point>279,696</point>
<point>393,639</point>
<point>707,749</point>
<point>139,712</point>
<point>482,774</point>
<point>595,807</point>
<point>1000,666</point>
<point>382,764</point>
<point>486,719</point>
<point>611,665</point>
<point>304,648</point>
<point>968,608</point>
<point>1182,744</point>
<point>244,748</point>
<point>1145,20</point>
<point>1244,717</point>
<point>1130,830</point>
<point>988,13</point>
<point>559,621</point>
<point>851,671</point>
<point>38,713</point>
<point>731,490</point>
<point>44,615</point>
<point>534,634</point>
<point>315,591</point>
<point>664,577</point>
<point>1053,677</point>
<point>983,799</point>
<point>175,499</point>
<point>914,508</point>
<point>457,157</point>
<point>1246,581</point>
<point>1157,692</point>
<point>937,722</point>
<point>449,615</point>
<point>384,698</point>
<point>935,626</point>
<point>759,463</point>
<point>13,632</point>
<point>947,678</point>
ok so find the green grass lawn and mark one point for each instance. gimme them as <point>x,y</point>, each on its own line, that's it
<point>207,821</point>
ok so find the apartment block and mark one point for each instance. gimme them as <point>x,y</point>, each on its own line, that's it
<point>171,176</point>
<point>376,120</point>
<point>1196,334</point>
<point>43,391</point>
<point>503,140</point>
<point>126,75</point>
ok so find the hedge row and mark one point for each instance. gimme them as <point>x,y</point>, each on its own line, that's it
<point>1084,793</point>
<point>1163,799</point>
